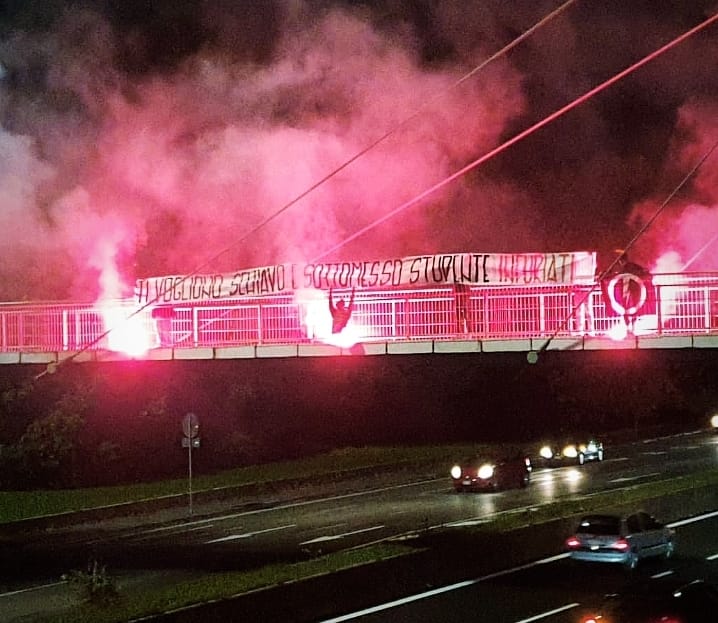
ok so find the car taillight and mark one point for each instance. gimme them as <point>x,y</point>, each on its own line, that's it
<point>621,544</point>
<point>572,542</point>
<point>592,619</point>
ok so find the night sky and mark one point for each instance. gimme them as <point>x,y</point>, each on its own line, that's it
<point>149,138</point>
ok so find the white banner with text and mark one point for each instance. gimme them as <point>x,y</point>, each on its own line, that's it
<point>483,269</point>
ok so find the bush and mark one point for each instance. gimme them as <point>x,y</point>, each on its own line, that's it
<point>94,586</point>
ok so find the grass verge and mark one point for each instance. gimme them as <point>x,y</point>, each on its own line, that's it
<point>145,602</point>
<point>20,505</point>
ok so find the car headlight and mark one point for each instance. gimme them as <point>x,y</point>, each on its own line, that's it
<point>546,452</point>
<point>456,472</point>
<point>486,471</point>
<point>714,421</point>
<point>570,451</point>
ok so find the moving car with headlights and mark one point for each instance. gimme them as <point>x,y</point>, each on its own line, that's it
<point>714,423</point>
<point>491,473</point>
<point>669,599</point>
<point>555,454</point>
<point>619,539</point>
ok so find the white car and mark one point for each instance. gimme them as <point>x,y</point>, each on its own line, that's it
<point>619,539</point>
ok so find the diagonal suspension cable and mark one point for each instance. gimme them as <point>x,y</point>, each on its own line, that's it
<point>522,135</point>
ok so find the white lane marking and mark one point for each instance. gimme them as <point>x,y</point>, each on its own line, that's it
<point>629,479</point>
<point>248,535</point>
<point>545,561</point>
<point>550,613</point>
<point>330,498</point>
<point>144,536</point>
<point>322,539</point>
<point>655,453</point>
<point>468,522</point>
<point>663,574</point>
<point>690,520</point>
<point>31,588</point>
<point>712,557</point>
<point>440,590</point>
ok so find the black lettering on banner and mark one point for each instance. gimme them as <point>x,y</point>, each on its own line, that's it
<point>326,273</point>
<point>271,279</point>
<point>344,273</point>
<point>280,278</point>
<point>142,291</point>
<point>374,274</point>
<point>414,273</point>
<point>308,275</point>
<point>538,266</point>
<point>293,277</point>
<point>234,285</point>
<point>391,273</point>
<point>550,270</point>
<point>446,263</point>
<point>484,268</point>
<point>522,267</point>
<point>161,288</point>
<point>358,270</point>
<point>175,289</point>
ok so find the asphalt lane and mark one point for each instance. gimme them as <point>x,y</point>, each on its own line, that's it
<point>246,534</point>
<point>553,589</point>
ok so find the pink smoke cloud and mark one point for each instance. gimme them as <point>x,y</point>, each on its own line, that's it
<point>167,168</point>
<point>686,229</point>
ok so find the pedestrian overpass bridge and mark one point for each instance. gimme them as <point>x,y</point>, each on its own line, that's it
<point>678,311</point>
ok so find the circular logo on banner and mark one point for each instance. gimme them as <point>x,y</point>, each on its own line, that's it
<point>627,293</point>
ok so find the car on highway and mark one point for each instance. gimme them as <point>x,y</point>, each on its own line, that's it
<point>669,599</point>
<point>714,423</point>
<point>554,454</point>
<point>620,539</point>
<point>492,472</point>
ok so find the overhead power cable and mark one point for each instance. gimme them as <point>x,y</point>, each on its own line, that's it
<point>545,20</point>
<point>522,135</point>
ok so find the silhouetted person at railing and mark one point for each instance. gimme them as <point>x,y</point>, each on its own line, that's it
<point>163,318</point>
<point>341,311</point>
<point>462,297</point>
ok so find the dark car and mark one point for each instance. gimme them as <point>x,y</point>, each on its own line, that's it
<point>619,539</point>
<point>660,600</point>
<point>553,454</point>
<point>491,473</point>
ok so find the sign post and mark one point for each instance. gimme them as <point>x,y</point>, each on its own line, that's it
<point>190,428</point>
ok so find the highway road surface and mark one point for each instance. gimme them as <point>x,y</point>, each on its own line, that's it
<point>244,534</point>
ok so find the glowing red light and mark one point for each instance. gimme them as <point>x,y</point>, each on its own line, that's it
<point>317,320</point>
<point>572,542</point>
<point>127,333</point>
<point>621,544</point>
<point>618,331</point>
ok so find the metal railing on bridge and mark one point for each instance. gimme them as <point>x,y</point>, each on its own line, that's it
<point>684,304</point>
